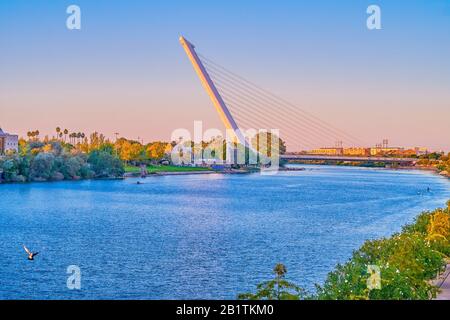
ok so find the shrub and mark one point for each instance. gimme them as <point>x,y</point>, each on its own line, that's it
<point>406,263</point>
<point>105,165</point>
<point>42,166</point>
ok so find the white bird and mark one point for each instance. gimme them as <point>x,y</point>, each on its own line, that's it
<point>31,255</point>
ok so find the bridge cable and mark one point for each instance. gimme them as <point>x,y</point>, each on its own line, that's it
<point>269,96</point>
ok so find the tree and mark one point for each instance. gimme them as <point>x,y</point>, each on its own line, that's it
<point>73,167</point>
<point>42,166</point>
<point>96,140</point>
<point>156,150</point>
<point>262,142</point>
<point>105,164</point>
<point>276,289</point>
<point>65,134</point>
<point>129,150</point>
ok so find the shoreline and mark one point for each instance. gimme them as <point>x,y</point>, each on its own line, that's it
<point>233,171</point>
<point>412,168</point>
<point>167,173</point>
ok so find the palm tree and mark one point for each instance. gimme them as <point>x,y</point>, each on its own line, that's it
<point>58,130</point>
<point>279,270</point>
<point>65,134</point>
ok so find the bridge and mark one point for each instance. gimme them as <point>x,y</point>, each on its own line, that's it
<point>242,105</point>
<point>306,157</point>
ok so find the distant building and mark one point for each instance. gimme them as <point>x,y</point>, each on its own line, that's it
<point>421,151</point>
<point>328,151</point>
<point>378,151</point>
<point>8,142</point>
<point>364,152</point>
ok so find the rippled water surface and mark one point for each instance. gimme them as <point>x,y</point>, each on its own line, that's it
<point>199,236</point>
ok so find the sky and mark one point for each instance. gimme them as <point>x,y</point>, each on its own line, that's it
<point>126,72</point>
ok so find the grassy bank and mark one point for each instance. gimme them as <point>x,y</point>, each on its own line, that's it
<point>160,169</point>
<point>399,267</point>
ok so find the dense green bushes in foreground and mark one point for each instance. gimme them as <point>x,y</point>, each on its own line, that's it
<point>406,262</point>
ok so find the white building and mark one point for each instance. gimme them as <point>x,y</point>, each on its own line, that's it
<point>8,142</point>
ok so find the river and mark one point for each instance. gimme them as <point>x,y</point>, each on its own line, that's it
<point>199,236</point>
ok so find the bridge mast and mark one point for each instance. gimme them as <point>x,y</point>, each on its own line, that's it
<point>213,93</point>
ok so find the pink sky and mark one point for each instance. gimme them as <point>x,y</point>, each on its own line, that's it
<point>126,72</point>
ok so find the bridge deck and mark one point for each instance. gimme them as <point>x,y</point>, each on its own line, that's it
<point>348,158</point>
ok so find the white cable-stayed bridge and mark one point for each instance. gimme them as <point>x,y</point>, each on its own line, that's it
<point>243,105</point>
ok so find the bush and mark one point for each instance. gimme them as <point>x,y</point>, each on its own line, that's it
<point>105,165</point>
<point>42,167</point>
<point>405,264</point>
<point>53,161</point>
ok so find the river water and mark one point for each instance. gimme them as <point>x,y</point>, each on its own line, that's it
<point>199,236</point>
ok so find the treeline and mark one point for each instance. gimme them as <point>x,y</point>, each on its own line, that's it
<point>127,150</point>
<point>74,156</point>
<point>54,161</point>
<point>400,267</point>
<point>438,160</point>
<point>136,152</point>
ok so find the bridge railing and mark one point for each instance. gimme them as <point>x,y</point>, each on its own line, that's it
<point>347,158</point>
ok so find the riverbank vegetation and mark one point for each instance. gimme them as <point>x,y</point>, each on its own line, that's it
<point>276,289</point>
<point>74,155</point>
<point>54,161</point>
<point>439,161</point>
<point>164,168</point>
<point>400,267</point>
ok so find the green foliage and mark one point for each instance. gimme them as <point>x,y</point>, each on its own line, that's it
<point>55,160</point>
<point>276,289</point>
<point>15,168</point>
<point>107,147</point>
<point>42,166</point>
<point>406,262</point>
<point>438,160</point>
<point>105,165</point>
<point>420,223</point>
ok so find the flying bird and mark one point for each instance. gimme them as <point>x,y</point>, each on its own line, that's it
<point>31,255</point>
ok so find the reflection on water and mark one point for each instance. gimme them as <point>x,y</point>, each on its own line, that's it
<point>199,236</point>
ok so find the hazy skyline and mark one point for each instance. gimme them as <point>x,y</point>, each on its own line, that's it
<point>125,71</point>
